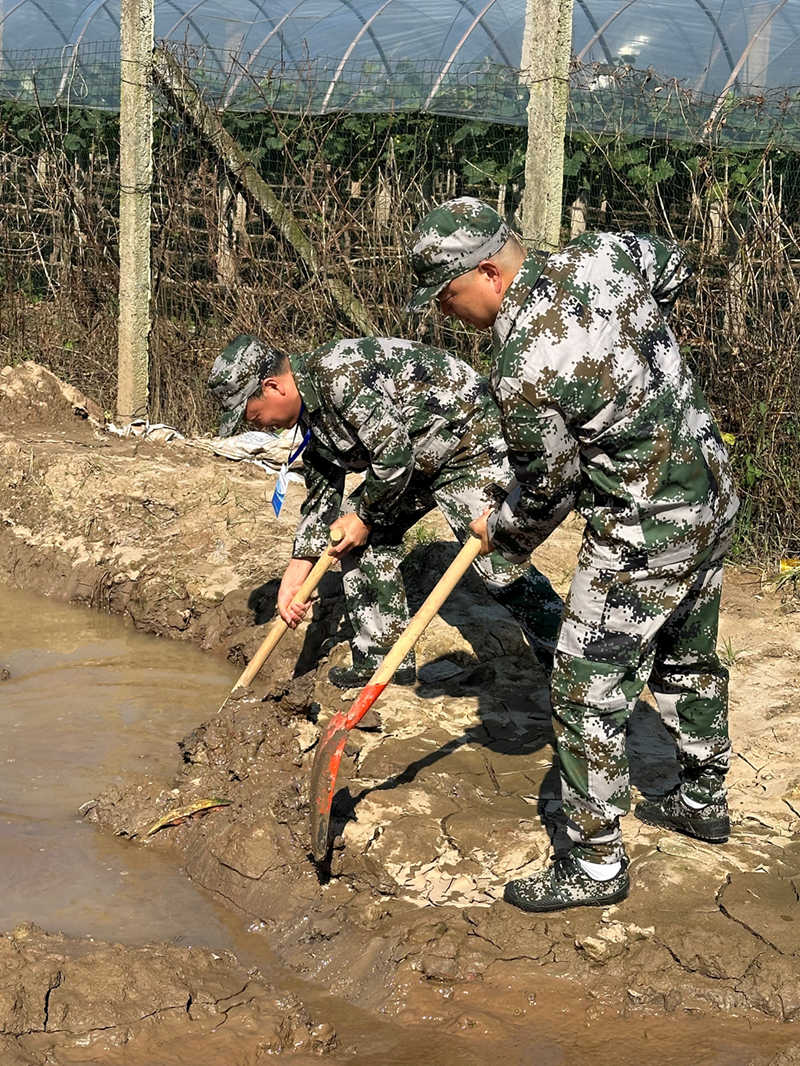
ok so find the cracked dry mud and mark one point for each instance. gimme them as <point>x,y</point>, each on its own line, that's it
<point>452,793</point>
<point>89,1002</point>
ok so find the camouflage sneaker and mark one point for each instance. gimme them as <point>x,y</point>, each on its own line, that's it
<point>566,884</point>
<point>710,823</point>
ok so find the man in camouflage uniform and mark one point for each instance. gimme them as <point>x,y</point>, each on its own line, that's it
<point>423,428</point>
<point>601,415</point>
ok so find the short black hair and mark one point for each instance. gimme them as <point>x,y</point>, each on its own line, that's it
<point>275,362</point>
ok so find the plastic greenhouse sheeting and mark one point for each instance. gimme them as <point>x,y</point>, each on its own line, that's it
<point>638,62</point>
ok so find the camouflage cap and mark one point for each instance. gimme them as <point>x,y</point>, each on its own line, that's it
<point>452,240</point>
<point>235,377</point>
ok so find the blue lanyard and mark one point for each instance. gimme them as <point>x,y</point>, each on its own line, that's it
<point>279,494</point>
<point>304,441</point>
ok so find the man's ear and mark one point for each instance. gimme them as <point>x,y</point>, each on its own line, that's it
<point>271,385</point>
<point>492,273</point>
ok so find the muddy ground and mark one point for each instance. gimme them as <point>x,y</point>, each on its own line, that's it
<point>452,793</point>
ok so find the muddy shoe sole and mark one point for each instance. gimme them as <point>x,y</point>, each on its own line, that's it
<point>711,831</point>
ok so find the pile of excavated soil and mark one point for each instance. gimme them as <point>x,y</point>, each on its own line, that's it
<point>31,395</point>
<point>455,790</point>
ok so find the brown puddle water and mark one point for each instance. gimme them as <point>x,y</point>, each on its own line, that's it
<point>90,700</point>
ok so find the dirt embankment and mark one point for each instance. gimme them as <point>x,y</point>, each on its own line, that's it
<point>455,791</point>
<point>88,1002</point>
<point>184,545</point>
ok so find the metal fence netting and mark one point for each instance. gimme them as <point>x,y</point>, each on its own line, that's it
<point>605,98</point>
<point>641,66</point>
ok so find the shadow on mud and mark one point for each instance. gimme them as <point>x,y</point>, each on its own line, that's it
<point>330,623</point>
<point>512,706</point>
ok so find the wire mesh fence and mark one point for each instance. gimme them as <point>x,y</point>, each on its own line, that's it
<point>284,76</point>
<point>354,185</point>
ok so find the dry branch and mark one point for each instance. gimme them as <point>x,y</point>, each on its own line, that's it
<point>186,99</point>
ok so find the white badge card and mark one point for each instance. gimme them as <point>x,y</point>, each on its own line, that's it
<point>279,494</point>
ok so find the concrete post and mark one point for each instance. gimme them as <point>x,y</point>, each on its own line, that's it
<point>135,176</point>
<point>578,214</point>
<point>716,227</point>
<point>546,51</point>
<point>383,200</point>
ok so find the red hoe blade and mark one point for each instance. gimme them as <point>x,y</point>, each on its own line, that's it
<point>331,744</point>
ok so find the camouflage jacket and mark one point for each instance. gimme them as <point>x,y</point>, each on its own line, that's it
<point>391,408</point>
<point>599,411</point>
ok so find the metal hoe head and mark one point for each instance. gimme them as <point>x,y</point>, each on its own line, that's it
<point>327,758</point>
<point>328,755</point>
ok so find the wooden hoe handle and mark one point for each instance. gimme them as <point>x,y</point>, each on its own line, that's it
<point>429,609</point>
<point>279,627</point>
<point>333,739</point>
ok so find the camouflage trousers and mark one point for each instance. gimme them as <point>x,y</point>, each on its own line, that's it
<point>623,630</point>
<point>462,488</point>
